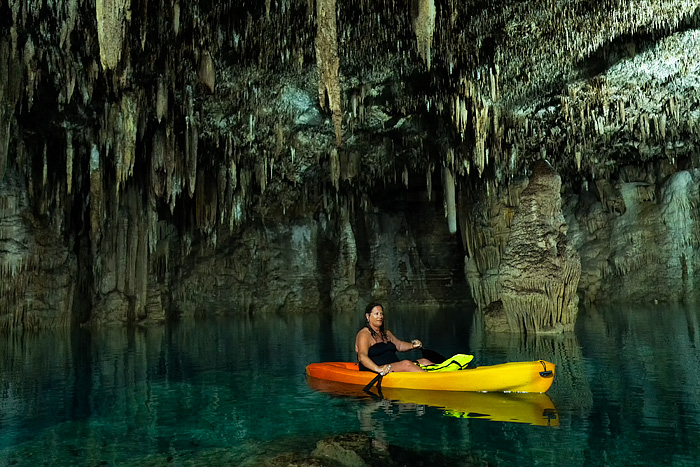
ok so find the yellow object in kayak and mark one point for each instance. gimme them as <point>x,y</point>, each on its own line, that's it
<point>454,363</point>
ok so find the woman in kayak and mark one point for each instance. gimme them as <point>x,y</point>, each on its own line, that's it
<point>376,347</point>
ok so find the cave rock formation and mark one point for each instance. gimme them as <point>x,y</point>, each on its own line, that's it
<point>175,158</point>
<point>540,269</point>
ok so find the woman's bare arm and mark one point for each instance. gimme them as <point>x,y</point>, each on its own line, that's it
<point>403,346</point>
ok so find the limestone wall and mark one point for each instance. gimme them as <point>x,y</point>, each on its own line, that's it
<point>636,238</point>
<point>643,247</point>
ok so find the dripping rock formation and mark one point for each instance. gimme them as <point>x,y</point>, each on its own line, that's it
<point>173,158</point>
<point>539,270</point>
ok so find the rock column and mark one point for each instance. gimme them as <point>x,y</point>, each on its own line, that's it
<point>539,270</point>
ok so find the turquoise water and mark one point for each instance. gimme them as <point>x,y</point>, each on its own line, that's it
<point>233,391</point>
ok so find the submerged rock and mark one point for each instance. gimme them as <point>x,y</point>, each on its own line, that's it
<point>358,450</point>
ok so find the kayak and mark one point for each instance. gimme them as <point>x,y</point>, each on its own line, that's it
<point>535,376</point>
<point>530,408</point>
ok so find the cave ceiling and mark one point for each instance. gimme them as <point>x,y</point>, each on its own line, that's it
<point>261,104</point>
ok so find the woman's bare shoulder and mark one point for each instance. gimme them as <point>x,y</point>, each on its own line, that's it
<point>363,334</point>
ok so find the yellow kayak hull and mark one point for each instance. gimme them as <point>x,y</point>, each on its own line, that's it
<point>535,376</point>
<point>531,408</point>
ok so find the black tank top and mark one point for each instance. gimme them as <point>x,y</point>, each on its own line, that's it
<point>381,353</point>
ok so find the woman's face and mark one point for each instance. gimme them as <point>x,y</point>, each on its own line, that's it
<point>376,317</point>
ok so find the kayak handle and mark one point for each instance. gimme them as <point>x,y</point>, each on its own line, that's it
<point>545,373</point>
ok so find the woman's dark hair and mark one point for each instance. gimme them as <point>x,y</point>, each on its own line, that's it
<point>382,330</point>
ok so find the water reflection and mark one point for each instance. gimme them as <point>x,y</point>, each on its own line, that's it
<point>228,390</point>
<point>533,409</point>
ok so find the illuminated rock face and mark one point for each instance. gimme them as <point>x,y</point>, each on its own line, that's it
<point>540,270</point>
<point>648,250</point>
<point>178,154</point>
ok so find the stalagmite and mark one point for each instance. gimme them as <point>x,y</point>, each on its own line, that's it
<point>328,63</point>
<point>112,23</point>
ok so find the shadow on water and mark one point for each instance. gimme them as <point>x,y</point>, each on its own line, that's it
<point>227,390</point>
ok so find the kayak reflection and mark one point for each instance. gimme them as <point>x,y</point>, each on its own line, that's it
<point>531,408</point>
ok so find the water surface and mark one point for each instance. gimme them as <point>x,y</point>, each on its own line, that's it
<point>233,390</point>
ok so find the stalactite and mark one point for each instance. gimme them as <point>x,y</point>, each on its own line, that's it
<point>123,121</point>
<point>96,200</point>
<point>176,18</point>
<point>158,173</point>
<point>173,175</point>
<point>232,175</point>
<point>237,211</point>
<point>328,63</point>
<point>429,181</point>
<point>221,190</point>
<point>450,207</point>
<point>481,126</point>
<point>207,71</point>
<point>577,159</point>
<point>335,168</point>
<point>662,126</point>
<point>261,172</point>
<point>245,178</point>
<point>69,161</point>
<point>344,269</point>
<point>191,141</point>
<point>201,202</point>
<point>161,99</point>
<point>7,105</point>
<point>460,115</point>
<point>423,27</point>
<point>112,24</point>
<point>30,64</point>
<point>4,140</point>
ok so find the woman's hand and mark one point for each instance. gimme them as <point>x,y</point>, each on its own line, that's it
<point>416,344</point>
<point>384,370</point>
